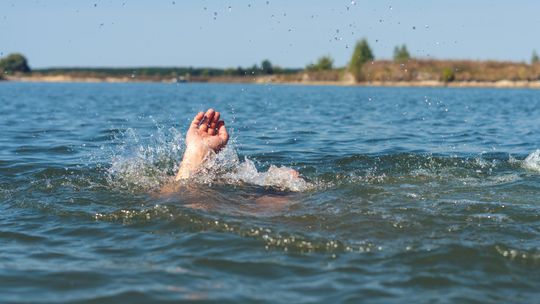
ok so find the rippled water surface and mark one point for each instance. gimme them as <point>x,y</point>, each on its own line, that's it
<point>410,195</point>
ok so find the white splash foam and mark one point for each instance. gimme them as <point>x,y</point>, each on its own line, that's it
<point>278,177</point>
<point>137,166</point>
<point>147,167</point>
<point>532,162</point>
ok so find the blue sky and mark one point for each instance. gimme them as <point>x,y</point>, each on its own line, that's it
<point>204,33</point>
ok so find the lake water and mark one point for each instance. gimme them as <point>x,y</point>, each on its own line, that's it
<point>410,195</point>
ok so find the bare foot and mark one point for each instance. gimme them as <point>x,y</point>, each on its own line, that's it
<point>206,135</point>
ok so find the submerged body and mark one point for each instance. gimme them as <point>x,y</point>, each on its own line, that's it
<point>205,138</point>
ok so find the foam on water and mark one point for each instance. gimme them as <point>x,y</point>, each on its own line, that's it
<point>532,162</point>
<point>146,164</point>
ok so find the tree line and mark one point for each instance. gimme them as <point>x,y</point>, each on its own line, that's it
<point>362,54</point>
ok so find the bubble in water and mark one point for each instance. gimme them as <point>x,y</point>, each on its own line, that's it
<point>230,8</point>
<point>353,2</point>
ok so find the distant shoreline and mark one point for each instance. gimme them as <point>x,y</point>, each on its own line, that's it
<point>278,80</point>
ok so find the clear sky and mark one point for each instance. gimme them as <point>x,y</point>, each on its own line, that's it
<point>213,33</point>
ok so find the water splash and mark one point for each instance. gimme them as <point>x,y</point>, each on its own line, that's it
<point>137,165</point>
<point>532,162</point>
<point>147,164</point>
<point>283,178</point>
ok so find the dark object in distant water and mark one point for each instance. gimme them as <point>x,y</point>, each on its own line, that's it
<point>181,79</point>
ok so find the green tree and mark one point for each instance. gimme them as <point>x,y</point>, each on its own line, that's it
<point>362,54</point>
<point>535,58</point>
<point>266,67</point>
<point>240,71</point>
<point>14,63</point>
<point>324,63</point>
<point>401,53</point>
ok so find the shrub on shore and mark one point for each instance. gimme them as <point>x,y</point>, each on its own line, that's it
<point>401,54</point>
<point>324,63</point>
<point>362,54</point>
<point>448,75</point>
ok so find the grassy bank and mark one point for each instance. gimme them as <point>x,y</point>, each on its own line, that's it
<point>382,72</point>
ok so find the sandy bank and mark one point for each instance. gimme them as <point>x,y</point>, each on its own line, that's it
<point>277,80</point>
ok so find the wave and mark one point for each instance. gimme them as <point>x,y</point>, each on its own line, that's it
<point>532,161</point>
<point>140,163</point>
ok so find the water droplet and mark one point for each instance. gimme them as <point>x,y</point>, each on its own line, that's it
<point>353,2</point>
<point>173,3</point>
<point>95,4</point>
<point>414,27</point>
<point>267,2</point>
<point>391,7</point>
<point>426,26</point>
<point>230,8</point>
